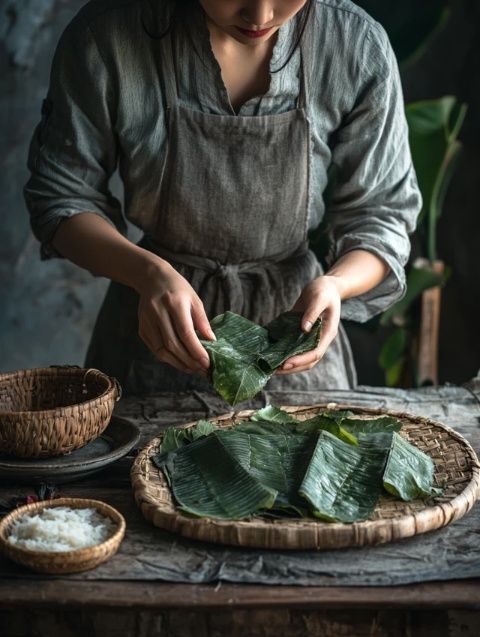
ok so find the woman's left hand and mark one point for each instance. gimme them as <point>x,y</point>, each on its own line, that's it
<point>322,298</point>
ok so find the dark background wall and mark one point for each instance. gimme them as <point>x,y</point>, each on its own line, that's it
<point>47,309</point>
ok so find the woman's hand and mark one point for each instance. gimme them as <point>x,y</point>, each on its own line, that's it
<point>169,312</point>
<point>321,297</point>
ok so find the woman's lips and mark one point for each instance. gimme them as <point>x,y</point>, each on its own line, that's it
<point>254,34</point>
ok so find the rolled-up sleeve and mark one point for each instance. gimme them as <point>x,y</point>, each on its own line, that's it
<point>375,199</point>
<point>73,151</point>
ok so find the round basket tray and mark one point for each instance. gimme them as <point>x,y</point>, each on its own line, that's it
<point>61,562</point>
<point>457,471</point>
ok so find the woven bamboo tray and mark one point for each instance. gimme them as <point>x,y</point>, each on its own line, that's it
<point>457,472</point>
<point>62,562</point>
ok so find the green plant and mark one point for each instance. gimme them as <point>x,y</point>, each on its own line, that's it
<point>434,126</point>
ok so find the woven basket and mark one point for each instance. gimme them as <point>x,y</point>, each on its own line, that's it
<point>51,411</point>
<point>457,471</point>
<point>57,562</point>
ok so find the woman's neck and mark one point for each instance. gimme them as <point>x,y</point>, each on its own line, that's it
<point>245,69</point>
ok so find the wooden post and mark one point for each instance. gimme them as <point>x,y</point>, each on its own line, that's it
<point>429,329</point>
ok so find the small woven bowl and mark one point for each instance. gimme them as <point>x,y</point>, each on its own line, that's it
<point>57,562</point>
<point>51,411</point>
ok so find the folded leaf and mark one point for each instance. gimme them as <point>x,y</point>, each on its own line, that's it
<point>278,461</point>
<point>245,355</point>
<point>409,472</point>
<point>175,437</point>
<point>327,421</point>
<point>287,339</point>
<point>207,481</point>
<point>371,425</point>
<point>343,482</point>
<point>273,414</point>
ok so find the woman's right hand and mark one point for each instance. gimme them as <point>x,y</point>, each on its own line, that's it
<point>169,314</point>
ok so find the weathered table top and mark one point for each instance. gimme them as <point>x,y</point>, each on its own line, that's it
<point>141,575</point>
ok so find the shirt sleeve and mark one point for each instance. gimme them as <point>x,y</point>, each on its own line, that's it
<point>73,151</point>
<point>375,198</point>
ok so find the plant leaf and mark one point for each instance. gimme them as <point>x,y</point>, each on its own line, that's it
<point>207,481</point>
<point>343,482</point>
<point>278,461</point>
<point>393,349</point>
<point>382,424</point>
<point>245,355</point>
<point>409,472</point>
<point>175,437</point>
<point>419,279</point>
<point>325,421</point>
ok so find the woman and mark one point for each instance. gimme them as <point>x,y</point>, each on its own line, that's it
<point>224,118</point>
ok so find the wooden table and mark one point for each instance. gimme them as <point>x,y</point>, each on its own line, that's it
<point>68,607</point>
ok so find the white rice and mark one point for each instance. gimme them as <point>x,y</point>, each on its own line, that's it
<point>61,529</point>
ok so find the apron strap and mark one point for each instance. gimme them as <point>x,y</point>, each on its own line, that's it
<point>169,73</point>
<point>306,65</point>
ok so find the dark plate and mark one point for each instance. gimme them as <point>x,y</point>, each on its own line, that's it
<point>116,441</point>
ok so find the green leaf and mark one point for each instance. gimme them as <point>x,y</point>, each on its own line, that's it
<point>393,348</point>
<point>245,355</point>
<point>207,481</point>
<point>343,482</point>
<point>277,461</point>
<point>409,472</point>
<point>175,437</point>
<point>419,279</point>
<point>433,128</point>
<point>273,414</point>
<point>394,373</point>
<point>325,421</point>
<point>382,424</point>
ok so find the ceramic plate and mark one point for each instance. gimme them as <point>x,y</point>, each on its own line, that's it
<point>116,441</point>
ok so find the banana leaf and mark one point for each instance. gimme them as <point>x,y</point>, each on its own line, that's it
<point>275,418</point>
<point>174,437</point>
<point>207,481</point>
<point>245,355</point>
<point>277,465</point>
<point>264,427</point>
<point>409,472</point>
<point>343,482</point>
<point>340,423</point>
<point>381,424</point>
<point>278,461</point>
<point>273,414</point>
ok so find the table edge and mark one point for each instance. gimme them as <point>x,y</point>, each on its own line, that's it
<point>153,595</point>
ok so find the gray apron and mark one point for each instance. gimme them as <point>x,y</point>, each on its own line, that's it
<point>232,220</point>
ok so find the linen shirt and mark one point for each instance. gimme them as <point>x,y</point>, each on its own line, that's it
<point>105,108</point>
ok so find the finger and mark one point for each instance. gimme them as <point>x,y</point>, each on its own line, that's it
<point>184,327</point>
<point>166,357</point>
<point>329,331</point>
<point>296,370</point>
<point>313,356</point>
<point>201,322</point>
<point>156,347</point>
<point>171,340</point>
<point>311,314</point>
<point>330,320</point>
<point>157,324</point>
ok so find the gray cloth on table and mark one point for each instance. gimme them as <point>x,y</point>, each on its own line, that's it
<point>105,107</point>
